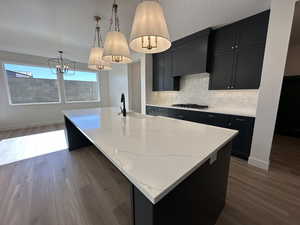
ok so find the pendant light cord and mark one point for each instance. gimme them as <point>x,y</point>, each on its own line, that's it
<point>98,42</point>
<point>114,18</point>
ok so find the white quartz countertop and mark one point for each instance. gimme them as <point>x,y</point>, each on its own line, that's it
<point>230,111</point>
<point>154,153</point>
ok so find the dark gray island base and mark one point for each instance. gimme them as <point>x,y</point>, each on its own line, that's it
<point>197,200</point>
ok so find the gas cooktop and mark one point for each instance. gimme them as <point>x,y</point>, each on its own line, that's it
<point>192,106</point>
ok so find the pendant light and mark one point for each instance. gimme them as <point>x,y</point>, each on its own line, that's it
<point>96,61</point>
<point>149,30</point>
<point>116,48</point>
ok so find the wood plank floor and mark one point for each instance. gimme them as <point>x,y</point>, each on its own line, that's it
<point>62,188</point>
<point>83,188</point>
<point>5,134</point>
<point>31,142</point>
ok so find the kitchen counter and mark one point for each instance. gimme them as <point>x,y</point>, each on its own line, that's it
<point>156,154</point>
<point>229,111</point>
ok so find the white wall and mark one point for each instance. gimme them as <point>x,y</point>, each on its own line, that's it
<point>280,25</point>
<point>13,116</point>
<point>118,84</point>
<point>134,86</point>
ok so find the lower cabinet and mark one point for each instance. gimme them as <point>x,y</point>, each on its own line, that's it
<point>245,125</point>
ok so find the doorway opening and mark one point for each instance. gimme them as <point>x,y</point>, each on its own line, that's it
<point>285,154</point>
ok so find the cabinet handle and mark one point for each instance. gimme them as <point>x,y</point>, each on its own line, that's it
<point>211,116</point>
<point>236,46</point>
<point>229,124</point>
<point>238,119</point>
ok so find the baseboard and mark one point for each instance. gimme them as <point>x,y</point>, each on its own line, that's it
<point>259,163</point>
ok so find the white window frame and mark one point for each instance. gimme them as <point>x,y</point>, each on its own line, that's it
<point>89,101</point>
<point>60,84</point>
<point>33,103</point>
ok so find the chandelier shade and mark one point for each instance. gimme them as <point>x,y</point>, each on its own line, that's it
<point>149,32</point>
<point>96,61</point>
<point>116,48</point>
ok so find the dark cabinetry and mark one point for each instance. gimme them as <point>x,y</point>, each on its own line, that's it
<point>162,73</point>
<point>186,56</point>
<point>241,145</point>
<point>245,125</point>
<point>237,53</point>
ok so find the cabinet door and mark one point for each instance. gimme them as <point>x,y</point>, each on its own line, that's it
<point>241,145</point>
<point>248,67</point>
<point>224,39</point>
<point>253,30</point>
<point>170,83</point>
<point>222,71</point>
<point>250,51</point>
<point>158,72</point>
<point>162,73</point>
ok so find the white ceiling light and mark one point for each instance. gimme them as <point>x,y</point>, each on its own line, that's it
<point>116,48</point>
<point>149,30</point>
<point>96,61</point>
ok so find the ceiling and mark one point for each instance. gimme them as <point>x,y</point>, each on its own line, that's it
<point>41,27</point>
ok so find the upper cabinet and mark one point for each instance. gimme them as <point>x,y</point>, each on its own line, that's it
<point>238,52</point>
<point>186,56</point>
<point>162,73</point>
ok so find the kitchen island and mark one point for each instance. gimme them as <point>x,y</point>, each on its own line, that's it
<point>178,169</point>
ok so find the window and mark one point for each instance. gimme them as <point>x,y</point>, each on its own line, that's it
<point>38,85</point>
<point>81,87</point>
<point>31,84</point>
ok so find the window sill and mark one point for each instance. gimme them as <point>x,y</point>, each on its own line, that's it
<point>53,103</point>
<point>29,104</point>
<point>79,102</point>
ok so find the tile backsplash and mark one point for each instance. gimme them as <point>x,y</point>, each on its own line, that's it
<point>194,89</point>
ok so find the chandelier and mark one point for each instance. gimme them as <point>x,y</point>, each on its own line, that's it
<point>96,61</point>
<point>61,64</point>
<point>116,49</point>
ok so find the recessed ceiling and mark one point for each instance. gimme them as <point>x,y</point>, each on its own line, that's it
<point>41,27</point>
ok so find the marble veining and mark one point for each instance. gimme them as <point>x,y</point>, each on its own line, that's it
<point>194,89</point>
<point>154,153</point>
